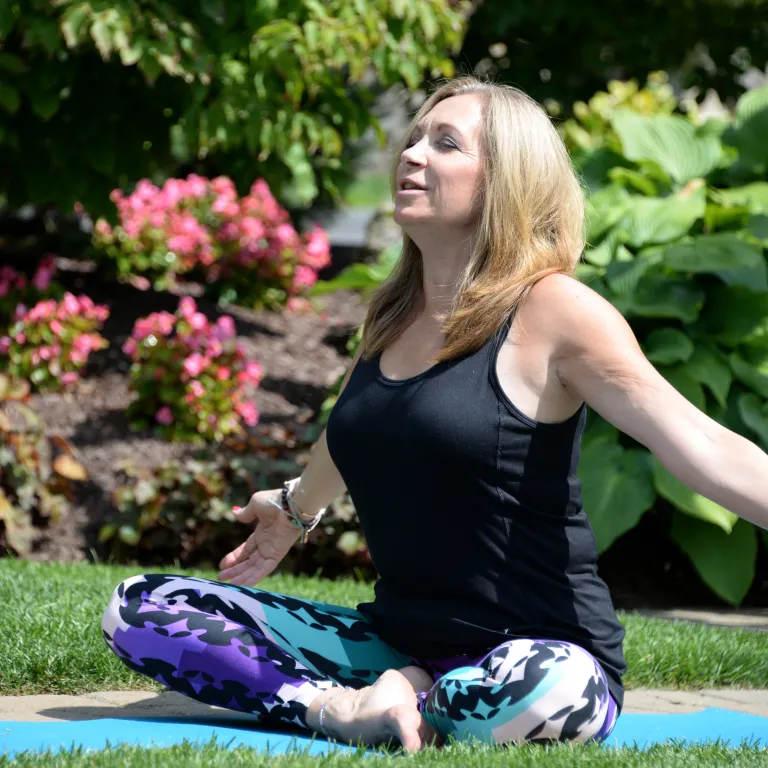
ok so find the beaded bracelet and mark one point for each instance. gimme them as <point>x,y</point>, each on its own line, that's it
<point>288,509</point>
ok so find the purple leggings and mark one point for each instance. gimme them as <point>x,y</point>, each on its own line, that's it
<point>268,654</point>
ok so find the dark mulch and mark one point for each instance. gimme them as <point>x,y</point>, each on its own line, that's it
<point>302,355</point>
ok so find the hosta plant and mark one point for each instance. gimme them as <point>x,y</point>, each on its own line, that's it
<point>677,233</point>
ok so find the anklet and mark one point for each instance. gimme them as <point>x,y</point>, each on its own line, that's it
<point>322,711</point>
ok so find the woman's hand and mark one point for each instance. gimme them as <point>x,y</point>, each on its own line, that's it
<point>261,552</point>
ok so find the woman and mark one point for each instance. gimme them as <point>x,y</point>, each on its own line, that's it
<point>457,435</point>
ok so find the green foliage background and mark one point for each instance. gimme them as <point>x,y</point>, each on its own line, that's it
<point>96,95</point>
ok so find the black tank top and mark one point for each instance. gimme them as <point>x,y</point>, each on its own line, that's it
<point>472,513</point>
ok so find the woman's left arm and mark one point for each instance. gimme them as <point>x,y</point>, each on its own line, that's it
<point>597,358</point>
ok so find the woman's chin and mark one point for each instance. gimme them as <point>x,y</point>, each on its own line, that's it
<point>405,215</point>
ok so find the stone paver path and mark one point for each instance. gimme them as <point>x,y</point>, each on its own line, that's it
<point>130,704</point>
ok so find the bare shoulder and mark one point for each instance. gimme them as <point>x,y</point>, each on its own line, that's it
<point>571,315</point>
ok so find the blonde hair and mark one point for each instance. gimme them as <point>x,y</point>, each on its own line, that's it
<point>530,224</point>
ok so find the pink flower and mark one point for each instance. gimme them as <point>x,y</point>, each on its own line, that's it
<point>214,348</point>
<point>249,413</point>
<point>194,364</point>
<point>5,344</point>
<point>187,307</point>
<point>20,338</point>
<point>183,244</point>
<point>225,328</point>
<point>199,321</point>
<point>223,185</point>
<point>252,227</point>
<point>129,348</point>
<point>103,228</point>
<point>253,371</point>
<point>223,373</point>
<point>20,311</point>
<point>71,304</point>
<point>198,390</point>
<point>56,327</point>
<point>70,377</point>
<point>196,186</point>
<point>164,415</point>
<point>42,278</point>
<point>303,277</point>
<point>285,234</point>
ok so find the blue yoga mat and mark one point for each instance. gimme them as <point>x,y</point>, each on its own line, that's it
<point>709,725</point>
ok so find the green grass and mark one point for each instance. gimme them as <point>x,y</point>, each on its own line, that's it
<point>51,641</point>
<point>454,756</point>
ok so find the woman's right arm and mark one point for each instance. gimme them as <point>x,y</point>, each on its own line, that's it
<point>320,481</point>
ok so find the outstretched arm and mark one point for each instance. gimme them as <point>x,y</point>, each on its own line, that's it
<point>598,358</point>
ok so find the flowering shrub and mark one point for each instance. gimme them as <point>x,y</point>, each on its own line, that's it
<point>49,344</point>
<point>241,249</point>
<point>190,376</point>
<point>15,288</point>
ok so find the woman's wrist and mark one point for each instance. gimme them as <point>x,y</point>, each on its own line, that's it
<point>303,506</point>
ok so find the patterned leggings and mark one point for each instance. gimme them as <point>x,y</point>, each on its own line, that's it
<point>269,654</point>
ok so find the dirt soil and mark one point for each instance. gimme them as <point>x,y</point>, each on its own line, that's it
<point>301,355</point>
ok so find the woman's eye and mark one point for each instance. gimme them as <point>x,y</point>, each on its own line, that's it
<point>444,142</point>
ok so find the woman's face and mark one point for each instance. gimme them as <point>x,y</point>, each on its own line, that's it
<point>443,160</point>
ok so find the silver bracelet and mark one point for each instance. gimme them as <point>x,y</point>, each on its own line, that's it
<point>322,710</point>
<point>287,508</point>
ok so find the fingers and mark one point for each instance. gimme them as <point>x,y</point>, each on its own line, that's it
<point>248,513</point>
<point>243,552</point>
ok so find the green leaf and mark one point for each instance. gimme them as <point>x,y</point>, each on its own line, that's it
<point>604,209</point>
<point>623,276</point>
<point>750,127</point>
<point>9,98</point>
<point>12,63</point>
<point>629,178</point>
<point>758,227</point>
<point>669,140</point>
<point>653,220</point>
<point>725,562</point>
<point>747,374</point>
<point>659,296</point>
<point>44,103</point>
<point>102,36</point>
<point>602,254</point>
<point>72,22</point>
<point>753,413</point>
<point>753,196</point>
<point>617,489</point>
<point>685,384</point>
<point>734,315</point>
<point>686,500</point>
<point>668,345</point>
<point>713,253</point>
<point>708,368</point>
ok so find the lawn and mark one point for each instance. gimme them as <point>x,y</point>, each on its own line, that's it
<point>51,643</point>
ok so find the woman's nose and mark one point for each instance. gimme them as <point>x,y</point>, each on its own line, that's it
<point>414,155</point>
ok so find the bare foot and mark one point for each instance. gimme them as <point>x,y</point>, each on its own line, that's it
<point>384,711</point>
